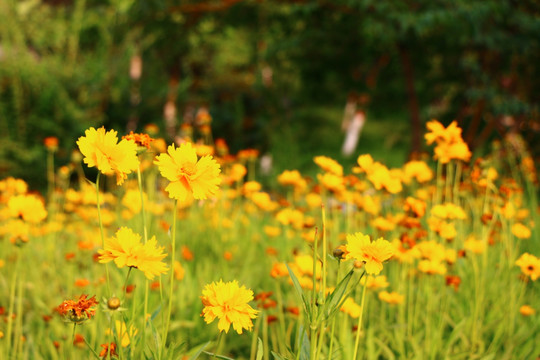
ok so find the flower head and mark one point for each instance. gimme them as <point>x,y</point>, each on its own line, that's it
<point>126,249</point>
<point>360,247</point>
<point>80,310</point>
<point>228,302</point>
<point>187,175</point>
<point>101,150</point>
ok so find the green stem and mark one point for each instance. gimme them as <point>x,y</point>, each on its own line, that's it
<point>145,232</point>
<point>171,283</point>
<point>359,327</point>
<point>102,232</point>
<point>218,344</point>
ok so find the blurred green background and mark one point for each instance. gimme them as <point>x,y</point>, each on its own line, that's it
<point>275,75</point>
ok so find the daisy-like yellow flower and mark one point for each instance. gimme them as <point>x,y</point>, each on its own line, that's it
<point>360,247</point>
<point>101,149</point>
<point>229,303</point>
<point>187,175</point>
<point>126,249</point>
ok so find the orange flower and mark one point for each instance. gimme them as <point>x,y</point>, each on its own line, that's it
<point>189,176</point>
<point>360,247</point>
<point>142,140</point>
<point>108,349</point>
<point>51,143</point>
<point>80,310</point>
<point>101,150</point>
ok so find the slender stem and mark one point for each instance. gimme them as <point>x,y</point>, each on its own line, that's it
<point>359,327</point>
<point>73,337</point>
<point>126,282</point>
<point>217,345</point>
<point>102,232</point>
<point>171,283</point>
<point>145,232</point>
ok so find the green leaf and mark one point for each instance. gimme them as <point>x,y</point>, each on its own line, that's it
<point>218,356</point>
<point>199,352</point>
<point>278,357</point>
<point>260,349</point>
<point>300,292</point>
<point>334,300</point>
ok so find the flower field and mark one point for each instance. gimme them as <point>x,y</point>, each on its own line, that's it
<point>176,251</point>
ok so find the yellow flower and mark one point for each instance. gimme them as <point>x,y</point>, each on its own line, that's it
<point>360,247</point>
<point>126,249</point>
<point>475,246</point>
<point>432,267</point>
<point>375,282</point>
<point>272,231</point>
<point>329,165</point>
<point>28,207</point>
<point>530,265</point>
<point>123,333</point>
<point>179,271</point>
<point>418,170</point>
<point>101,150</point>
<point>391,298</point>
<point>521,231</point>
<point>188,176</point>
<point>229,303</point>
<point>293,178</point>
<point>351,308</point>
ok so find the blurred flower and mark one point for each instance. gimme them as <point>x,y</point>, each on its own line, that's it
<point>474,245</point>
<point>375,282</point>
<point>526,310</point>
<point>101,150</point>
<point>360,247</point>
<point>108,349</point>
<point>126,249</point>
<point>453,280</point>
<point>351,308</point>
<point>28,207</point>
<point>179,271</point>
<point>418,170</point>
<point>530,265</point>
<point>521,231</point>
<point>432,267</point>
<point>189,176</point>
<point>142,140</point>
<point>329,165</point>
<point>392,297</point>
<point>228,302</point>
<point>51,143</point>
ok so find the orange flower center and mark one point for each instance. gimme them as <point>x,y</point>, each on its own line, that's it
<point>189,169</point>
